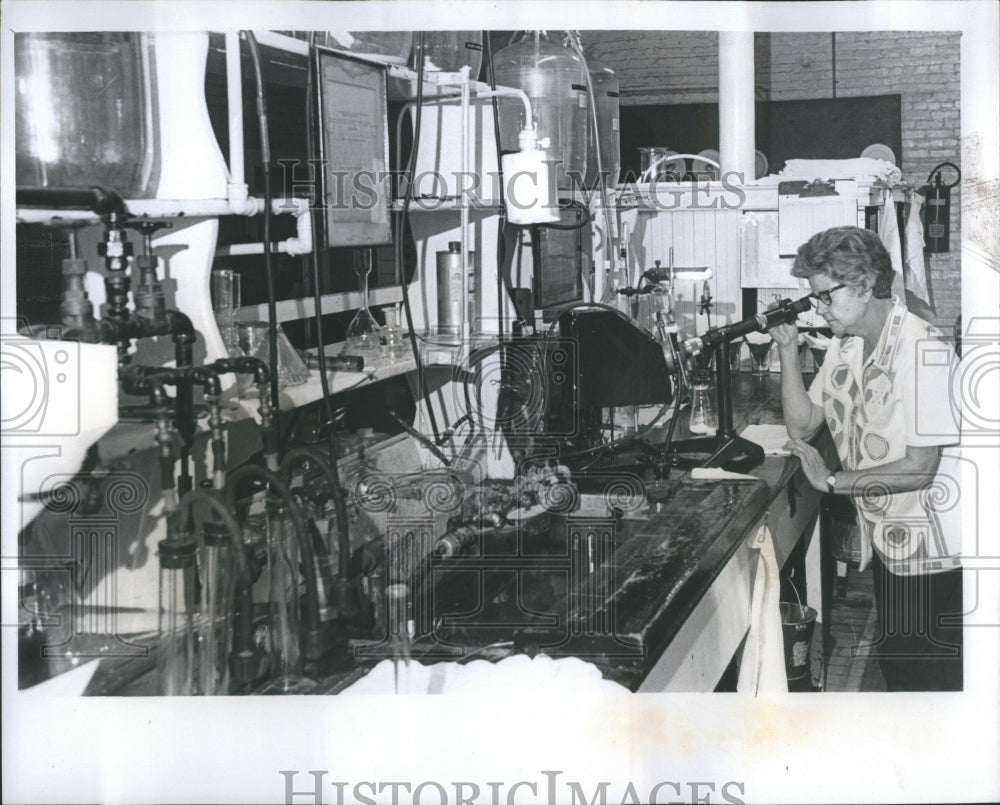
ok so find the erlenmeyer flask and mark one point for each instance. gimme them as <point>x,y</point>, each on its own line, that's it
<point>363,333</point>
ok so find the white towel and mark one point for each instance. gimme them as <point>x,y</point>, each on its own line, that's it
<point>915,267</point>
<point>762,668</point>
<point>888,232</point>
<point>859,168</point>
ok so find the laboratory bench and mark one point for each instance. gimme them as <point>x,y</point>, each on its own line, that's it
<point>657,599</point>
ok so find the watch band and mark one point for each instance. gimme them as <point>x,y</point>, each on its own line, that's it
<point>831,483</point>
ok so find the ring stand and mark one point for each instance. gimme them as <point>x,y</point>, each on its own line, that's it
<point>726,449</point>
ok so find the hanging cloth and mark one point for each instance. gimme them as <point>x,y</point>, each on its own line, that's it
<point>915,265</point>
<point>762,667</point>
<point>888,232</point>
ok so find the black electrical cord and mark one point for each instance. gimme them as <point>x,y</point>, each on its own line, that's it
<point>319,230</point>
<point>265,149</point>
<point>401,218</point>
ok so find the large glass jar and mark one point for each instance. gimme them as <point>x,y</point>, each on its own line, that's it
<point>449,51</point>
<point>389,46</point>
<point>554,79</point>
<point>604,83</point>
<point>83,112</point>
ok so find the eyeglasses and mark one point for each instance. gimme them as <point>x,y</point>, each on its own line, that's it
<point>824,296</point>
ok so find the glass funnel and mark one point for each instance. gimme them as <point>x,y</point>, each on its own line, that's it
<point>364,334</point>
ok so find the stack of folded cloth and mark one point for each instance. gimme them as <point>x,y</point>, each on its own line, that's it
<point>859,168</point>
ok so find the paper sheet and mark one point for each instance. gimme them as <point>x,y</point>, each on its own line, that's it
<point>772,438</point>
<point>801,217</point>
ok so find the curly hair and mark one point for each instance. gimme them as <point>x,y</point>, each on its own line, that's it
<point>848,254</point>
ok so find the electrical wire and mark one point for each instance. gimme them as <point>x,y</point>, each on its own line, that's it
<point>265,149</point>
<point>401,219</point>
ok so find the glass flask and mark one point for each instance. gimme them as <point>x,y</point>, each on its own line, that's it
<point>175,656</point>
<point>216,615</point>
<point>252,340</point>
<point>283,602</point>
<point>363,333</point>
<point>704,419</point>
<point>555,80</point>
<point>83,111</point>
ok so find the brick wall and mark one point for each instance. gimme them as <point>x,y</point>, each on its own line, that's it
<point>922,67</point>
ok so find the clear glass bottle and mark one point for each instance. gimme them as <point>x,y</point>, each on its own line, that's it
<point>704,418</point>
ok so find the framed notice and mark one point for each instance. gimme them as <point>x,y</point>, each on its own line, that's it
<point>354,149</point>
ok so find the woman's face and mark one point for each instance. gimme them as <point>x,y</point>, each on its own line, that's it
<point>847,304</point>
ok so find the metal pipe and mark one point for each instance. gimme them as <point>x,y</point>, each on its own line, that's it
<point>159,208</point>
<point>100,200</point>
<point>212,389</point>
<point>301,243</point>
<point>237,188</point>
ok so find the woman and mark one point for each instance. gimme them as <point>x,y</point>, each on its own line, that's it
<point>889,424</point>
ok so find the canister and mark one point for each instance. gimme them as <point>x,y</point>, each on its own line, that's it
<point>449,289</point>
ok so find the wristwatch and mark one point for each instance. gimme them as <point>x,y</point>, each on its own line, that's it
<point>831,483</point>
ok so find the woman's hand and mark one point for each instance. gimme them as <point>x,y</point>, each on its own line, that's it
<point>813,465</point>
<point>785,335</point>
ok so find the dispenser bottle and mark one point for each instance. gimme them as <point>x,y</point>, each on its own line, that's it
<point>554,79</point>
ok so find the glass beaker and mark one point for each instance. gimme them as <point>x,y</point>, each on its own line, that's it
<point>363,333</point>
<point>225,302</point>
<point>656,165</point>
<point>704,419</point>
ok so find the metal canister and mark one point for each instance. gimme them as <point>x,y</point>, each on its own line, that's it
<point>449,289</point>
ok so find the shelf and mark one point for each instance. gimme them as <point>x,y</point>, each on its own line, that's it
<point>340,381</point>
